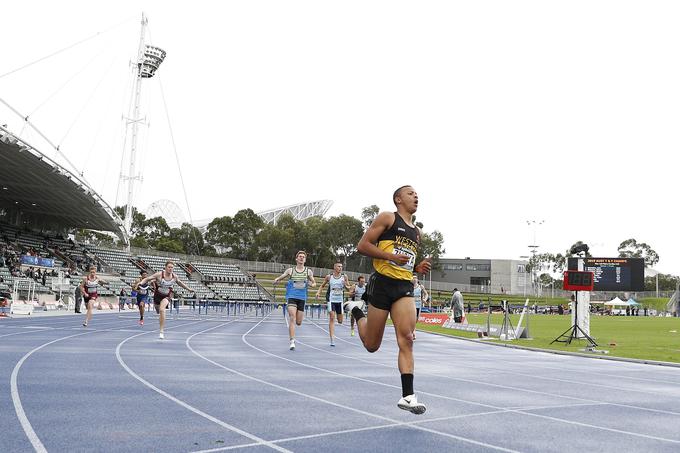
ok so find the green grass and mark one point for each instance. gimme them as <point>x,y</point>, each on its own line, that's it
<point>647,338</point>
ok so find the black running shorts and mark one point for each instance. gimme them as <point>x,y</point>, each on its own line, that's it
<point>336,307</point>
<point>298,303</point>
<point>382,291</point>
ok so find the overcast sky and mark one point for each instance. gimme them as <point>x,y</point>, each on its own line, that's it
<point>497,112</point>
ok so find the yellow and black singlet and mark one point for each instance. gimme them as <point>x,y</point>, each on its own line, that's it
<point>399,239</point>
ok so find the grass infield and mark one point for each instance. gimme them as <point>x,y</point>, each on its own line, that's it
<point>646,338</point>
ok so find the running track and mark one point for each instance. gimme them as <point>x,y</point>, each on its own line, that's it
<point>233,385</point>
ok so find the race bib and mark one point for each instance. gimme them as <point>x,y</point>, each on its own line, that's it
<point>336,292</point>
<point>411,258</point>
<point>299,285</point>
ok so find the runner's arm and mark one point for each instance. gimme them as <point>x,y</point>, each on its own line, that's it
<point>325,280</point>
<point>285,273</point>
<point>367,242</point>
<point>149,278</point>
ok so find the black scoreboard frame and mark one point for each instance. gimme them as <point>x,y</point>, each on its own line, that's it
<point>636,267</point>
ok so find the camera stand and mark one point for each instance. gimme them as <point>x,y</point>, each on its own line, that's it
<point>507,324</point>
<point>573,332</point>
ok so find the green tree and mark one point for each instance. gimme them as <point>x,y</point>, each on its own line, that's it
<point>630,248</point>
<point>169,245</point>
<point>245,227</point>
<point>432,245</point>
<point>154,229</point>
<point>314,239</point>
<point>667,282</point>
<point>138,220</point>
<point>190,238</point>
<point>220,233</point>
<point>275,244</point>
<point>344,233</point>
<point>94,237</point>
<point>369,213</point>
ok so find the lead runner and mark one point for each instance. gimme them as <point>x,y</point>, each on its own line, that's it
<point>392,241</point>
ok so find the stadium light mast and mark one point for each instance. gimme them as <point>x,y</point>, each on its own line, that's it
<point>149,58</point>
<point>533,247</point>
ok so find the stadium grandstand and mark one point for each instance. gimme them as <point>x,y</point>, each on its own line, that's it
<point>41,202</point>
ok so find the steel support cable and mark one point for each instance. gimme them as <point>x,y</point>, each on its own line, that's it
<point>179,168</point>
<point>28,122</point>
<point>99,33</point>
<point>87,102</point>
<point>70,79</point>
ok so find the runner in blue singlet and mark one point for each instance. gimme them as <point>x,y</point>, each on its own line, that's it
<point>299,278</point>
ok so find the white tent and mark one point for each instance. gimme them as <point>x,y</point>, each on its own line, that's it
<point>615,301</point>
<point>619,302</point>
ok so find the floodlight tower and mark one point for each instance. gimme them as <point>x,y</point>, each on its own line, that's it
<point>149,58</point>
<point>533,249</point>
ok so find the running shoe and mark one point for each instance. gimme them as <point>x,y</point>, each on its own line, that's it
<point>332,343</point>
<point>292,345</point>
<point>410,403</point>
<point>141,322</point>
<point>85,324</point>
<point>161,336</point>
<point>350,304</point>
<point>352,332</point>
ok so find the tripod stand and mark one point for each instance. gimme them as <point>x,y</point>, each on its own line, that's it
<point>507,323</point>
<point>572,332</point>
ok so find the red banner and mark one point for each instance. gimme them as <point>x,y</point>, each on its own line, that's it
<point>433,318</point>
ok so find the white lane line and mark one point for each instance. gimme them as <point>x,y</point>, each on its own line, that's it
<point>35,329</point>
<point>375,428</point>
<point>646,436</point>
<point>191,408</point>
<point>18,407</point>
<point>421,428</point>
<point>505,387</point>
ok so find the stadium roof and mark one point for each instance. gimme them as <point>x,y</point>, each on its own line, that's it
<point>36,191</point>
<point>301,211</point>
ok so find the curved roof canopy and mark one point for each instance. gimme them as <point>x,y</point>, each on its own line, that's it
<point>36,191</point>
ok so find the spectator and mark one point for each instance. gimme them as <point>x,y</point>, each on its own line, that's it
<point>78,298</point>
<point>121,299</point>
<point>457,306</point>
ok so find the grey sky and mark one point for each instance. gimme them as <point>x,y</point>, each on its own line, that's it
<point>497,112</point>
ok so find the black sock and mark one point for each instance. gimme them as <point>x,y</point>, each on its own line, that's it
<point>406,384</point>
<point>357,314</point>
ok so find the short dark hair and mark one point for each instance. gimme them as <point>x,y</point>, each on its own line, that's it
<point>396,193</point>
<point>142,272</point>
<point>455,289</point>
<point>361,277</point>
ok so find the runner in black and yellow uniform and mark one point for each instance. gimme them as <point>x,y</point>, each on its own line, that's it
<point>392,241</point>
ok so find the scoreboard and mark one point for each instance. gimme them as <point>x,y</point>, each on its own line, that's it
<point>614,274</point>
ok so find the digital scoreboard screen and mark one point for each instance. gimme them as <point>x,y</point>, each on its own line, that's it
<point>614,274</point>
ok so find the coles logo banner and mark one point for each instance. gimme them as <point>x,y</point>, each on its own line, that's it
<point>433,318</point>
